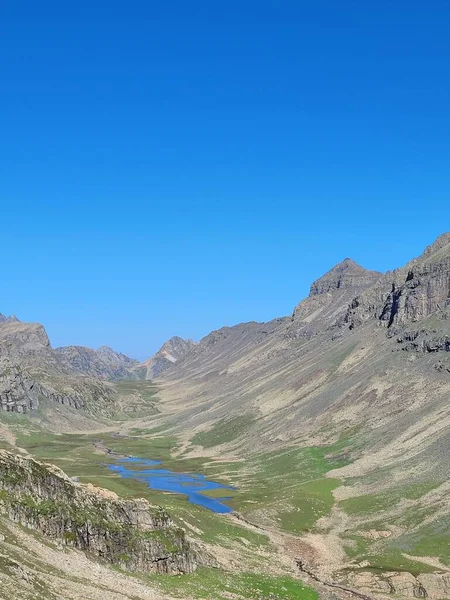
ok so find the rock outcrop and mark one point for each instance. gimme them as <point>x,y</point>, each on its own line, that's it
<point>9,319</point>
<point>328,299</point>
<point>130,533</point>
<point>18,391</point>
<point>19,339</point>
<point>435,586</point>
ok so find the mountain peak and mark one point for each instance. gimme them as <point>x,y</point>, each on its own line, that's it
<point>10,319</point>
<point>175,348</point>
<point>346,274</point>
<point>170,352</point>
<point>443,241</point>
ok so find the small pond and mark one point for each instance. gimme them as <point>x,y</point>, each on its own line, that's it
<point>170,481</point>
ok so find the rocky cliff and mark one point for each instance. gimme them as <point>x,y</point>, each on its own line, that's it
<point>435,586</point>
<point>407,295</point>
<point>129,533</point>
<point>329,297</point>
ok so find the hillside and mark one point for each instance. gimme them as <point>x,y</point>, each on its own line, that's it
<point>361,367</point>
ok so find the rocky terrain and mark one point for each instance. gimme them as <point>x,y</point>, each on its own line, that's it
<point>129,533</point>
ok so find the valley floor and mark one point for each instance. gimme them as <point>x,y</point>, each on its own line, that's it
<point>301,526</point>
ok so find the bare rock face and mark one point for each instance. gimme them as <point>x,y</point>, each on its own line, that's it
<point>409,294</point>
<point>19,339</point>
<point>130,533</point>
<point>423,341</point>
<point>18,391</point>
<point>170,352</point>
<point>116,360</point>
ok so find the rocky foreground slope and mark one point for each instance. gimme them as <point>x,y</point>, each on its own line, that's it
<point>129,533</point>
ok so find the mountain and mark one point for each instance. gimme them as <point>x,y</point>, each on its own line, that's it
<point>169,353</point>
<point>104,363</point>
<point>32,371</point>
<point>329,296</point>
<point>346,275</point>
<point>345,336</point>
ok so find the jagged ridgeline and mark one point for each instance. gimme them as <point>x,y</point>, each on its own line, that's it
<point>129,533</point>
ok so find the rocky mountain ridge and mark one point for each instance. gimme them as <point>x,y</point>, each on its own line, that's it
<point>409,294</point>
<point>344,298</point>
<point>104,363</point>
<point>347,296</point>
<point>329,297</point>
<point>9,319</point>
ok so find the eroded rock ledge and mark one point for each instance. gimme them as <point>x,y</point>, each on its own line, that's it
<point>130,533</point>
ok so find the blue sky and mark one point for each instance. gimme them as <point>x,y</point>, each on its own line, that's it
<point>172,167</point>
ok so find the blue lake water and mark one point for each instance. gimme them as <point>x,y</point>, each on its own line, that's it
<point>170,481</point>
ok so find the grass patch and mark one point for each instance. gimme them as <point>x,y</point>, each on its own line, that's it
<point>211,583</point>
<point>373,503</point>
<point>224,431</point>
<point>290,485</point>
<point>430,540</point>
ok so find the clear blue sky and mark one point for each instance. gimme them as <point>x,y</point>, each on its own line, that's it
<point>171,167</point>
